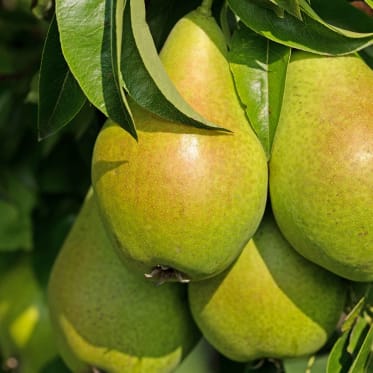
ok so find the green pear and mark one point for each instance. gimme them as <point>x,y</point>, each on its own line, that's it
<point>107,318</point>
<point>321,170</point>
<point>26,339</point>
<point>184,200</point>
<point>271,303</point>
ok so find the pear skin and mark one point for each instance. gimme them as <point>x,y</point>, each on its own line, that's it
<point>26,338</point>
<point>183,198</point>
<point>108,318</point>
<point>321,169</point>
<point>271,303</point>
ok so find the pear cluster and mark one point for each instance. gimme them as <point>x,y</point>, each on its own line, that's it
<point>190,233</point>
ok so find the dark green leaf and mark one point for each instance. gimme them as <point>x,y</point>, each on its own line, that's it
<point>161,15</point>
<point>352,316</point>
<point>60,97</point>
<point>55,366</point>
<point>308,35</point>
<point>228,22</point>
<point>7,260</point>
<point>362,357</point>
<point>270,5</point>
<point>86,32</point>
<point>259,70</point>
<point>6,101</point>
<point>117,8</point>
<point>367,55</point>
<point>339,359</point>
<point>357,335</point>
<point>17,200</point>
<point>145,78</point>
<point>340,17</point>
<point>63,172</point>
<point>291,6</point>
<point>6,61</point>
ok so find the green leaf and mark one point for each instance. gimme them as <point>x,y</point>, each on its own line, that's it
<point>367,55</point>
<point>6,102</point>
<point>60,97</point>
<point>308,35</point>
<point>353,315</point>
<point>340,17</point>
<point>17,200</point>
<point>200,360</point>
<point>161,15</point>
<point>357,335</point>
<point>117,8</point>
<point>363,356</point>
<point>145,78</point>
<point>259,70</point>
<point>227,20</point>
<point>56,365</point>
<point>350,354</point>
<point>86,33</point>
<point>291,6</point>
<point>270,5</point>
<point>306,364</point>
<point>339,359</point>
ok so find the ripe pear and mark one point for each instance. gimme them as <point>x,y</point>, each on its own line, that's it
<point>26,340</point>
<point>321,170</point>
<point>184,200</point>
<point>107,318</point>
<point>271,302</point>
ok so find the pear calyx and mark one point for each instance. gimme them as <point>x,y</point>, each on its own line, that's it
<point>162,273</point>
<point>96,370</point>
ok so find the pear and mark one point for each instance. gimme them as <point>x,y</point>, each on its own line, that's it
<point>321,169</point>
<point>184,201</point>
<point>107,318</point>
<point>26,340</point>
<point>271,303</point>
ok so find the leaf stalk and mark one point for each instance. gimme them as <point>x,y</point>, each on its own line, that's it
<point>206,6</point>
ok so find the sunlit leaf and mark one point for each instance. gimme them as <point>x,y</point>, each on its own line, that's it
<point>86,32</point>
<point>357,335</point>
<point>309,34</point>
<point>352,316</point>
<point>259,70</point>
<point>145,78</point>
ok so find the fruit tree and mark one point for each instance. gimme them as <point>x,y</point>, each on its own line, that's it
<point>186,186</point>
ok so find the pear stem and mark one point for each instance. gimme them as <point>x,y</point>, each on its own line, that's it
<point>205,7</point>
